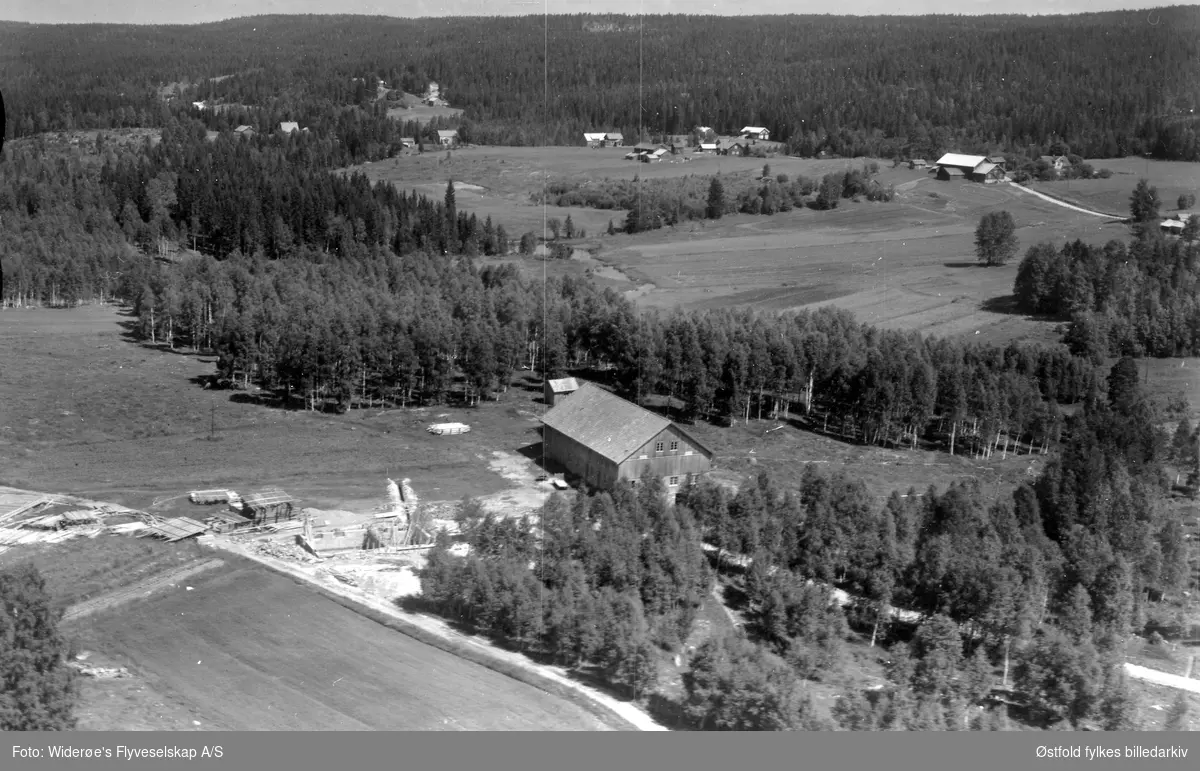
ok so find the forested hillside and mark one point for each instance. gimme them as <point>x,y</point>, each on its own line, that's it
<point>1105,84</point>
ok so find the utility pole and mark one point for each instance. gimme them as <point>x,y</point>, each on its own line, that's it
<point>212,421</point>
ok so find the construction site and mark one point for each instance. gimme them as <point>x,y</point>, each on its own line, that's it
<point>269,522</point>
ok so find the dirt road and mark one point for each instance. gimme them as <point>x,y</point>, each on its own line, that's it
<point>1162,678</point>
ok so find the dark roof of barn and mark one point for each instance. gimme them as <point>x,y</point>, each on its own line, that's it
<point>606,423</point>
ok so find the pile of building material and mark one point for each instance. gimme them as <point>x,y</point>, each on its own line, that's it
<point>227,521</point>
<point>126,528</point>
<point>441,429</point>
<point>284,551</point>
<point>172,530</point>
<point>211,497</point>
<point>100,673</point>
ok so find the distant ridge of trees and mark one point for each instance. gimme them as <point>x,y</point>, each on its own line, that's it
<point>1107,84</point>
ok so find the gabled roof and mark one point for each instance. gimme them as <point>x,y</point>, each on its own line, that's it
<point>614,135</point>
<point>708,145</point>
<point>606,423</point>
<point>407,141</point>
<point>593,136</point>
<point>243,129</point>
<point>997,159</point>
<point>753,129</point>
<point>984,167</point>
<point>266,498</point>
<point>445,133</point>
<point>957,159</point>
<point>288,126</point>
<point>564,385</point>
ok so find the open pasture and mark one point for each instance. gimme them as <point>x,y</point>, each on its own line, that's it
<point>498,181</point>
<point>907,264</point>
<point>1111,195</point>
<point>90,412</point>
<point>250,650</point>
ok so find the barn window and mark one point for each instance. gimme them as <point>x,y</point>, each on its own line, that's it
<point>674,481</point>
<point>674,446</point>
<point>658,446</point>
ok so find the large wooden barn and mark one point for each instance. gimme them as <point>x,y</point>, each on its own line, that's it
<point>605,439</point>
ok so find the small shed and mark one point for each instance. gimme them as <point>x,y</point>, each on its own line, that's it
<point>558,388</point>
<point>268,506</point>
<point>244,130</point>
<point>918,163</point>
<point>614,139</point>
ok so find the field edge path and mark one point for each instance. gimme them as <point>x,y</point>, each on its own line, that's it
<point>441,630</point>
<point>141,589</point>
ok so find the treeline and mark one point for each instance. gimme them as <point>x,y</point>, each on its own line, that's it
<point>600,584</point>
<point>915,86</point>
<point>657,203</point>
<point>1138,299</point>
<point>383,328</point>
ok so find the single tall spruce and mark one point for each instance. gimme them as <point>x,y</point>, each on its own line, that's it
<point>716,199</point>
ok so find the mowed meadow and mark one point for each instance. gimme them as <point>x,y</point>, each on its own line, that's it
<point>905,264</point>
<point>241,648</point>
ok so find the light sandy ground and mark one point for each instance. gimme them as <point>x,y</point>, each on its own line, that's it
<point>1162,678</point>
<point>440,628</point>
<point>527,496</point>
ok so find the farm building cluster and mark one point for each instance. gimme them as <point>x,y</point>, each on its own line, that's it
<point>702,140</point>
<point>976,168</point>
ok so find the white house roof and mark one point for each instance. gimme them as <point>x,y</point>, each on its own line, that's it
<point>288,126</point>
<point>592,136</point>
<point>957,159</point>
<point>984,167</point>
<point>753,129</point>
<point>614,135</point>
<point>447,133</point>
<point>703,129</point>
<point>708,145</point>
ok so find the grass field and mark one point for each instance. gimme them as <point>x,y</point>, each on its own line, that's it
<point>1111,195</point>
<point>89,412</point>
<point>907,264</point>
<point>88,567</point>
<point>249,650</point>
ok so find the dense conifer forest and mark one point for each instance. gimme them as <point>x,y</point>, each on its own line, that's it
<point>1104,84</point>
